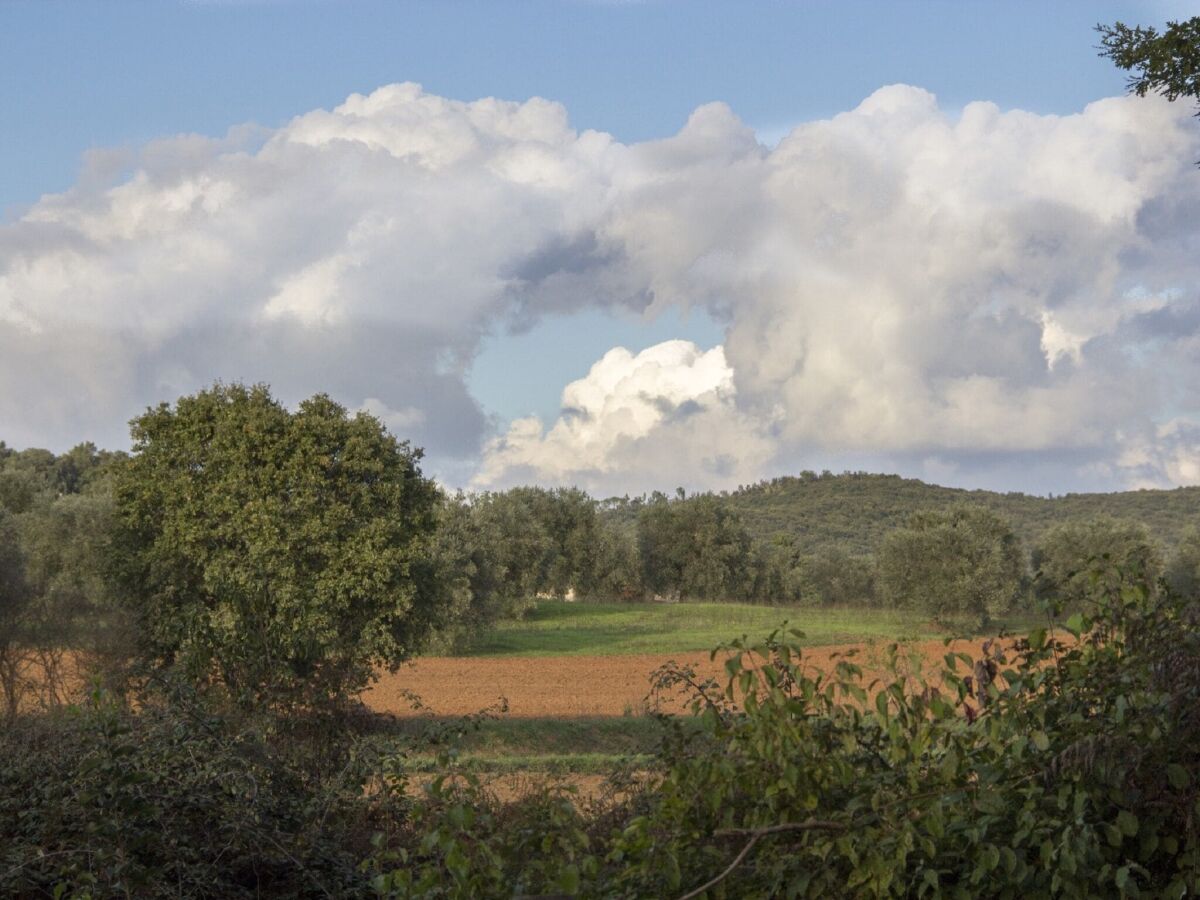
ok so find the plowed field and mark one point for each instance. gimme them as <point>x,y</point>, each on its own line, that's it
<point>570,686</point>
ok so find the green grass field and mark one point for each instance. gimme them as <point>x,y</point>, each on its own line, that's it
<point>556,628</point>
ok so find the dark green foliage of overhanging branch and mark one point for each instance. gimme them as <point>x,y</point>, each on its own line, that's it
<point>1051,767</point>
<point>282,555</point>
<point>1166,62</point>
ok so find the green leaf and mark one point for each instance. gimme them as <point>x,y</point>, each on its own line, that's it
<point>950,765</point>
<point>881,704</point>
<point>568,880</point>
<point>1040,740</point>
<point>1075,624</point>
<point>1122,878</point>
<point>1127,822</point>
<point>991,857</point>
<point>1178,776</point>
<point>1010,859</point>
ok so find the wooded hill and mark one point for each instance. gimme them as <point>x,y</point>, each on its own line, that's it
<point>855,510</point>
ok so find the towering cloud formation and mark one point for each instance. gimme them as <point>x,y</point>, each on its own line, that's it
<point>638,423</point>
<point>985,288</point>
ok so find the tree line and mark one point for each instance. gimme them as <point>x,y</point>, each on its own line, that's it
<point>235,518</point>
<point>856,510</point>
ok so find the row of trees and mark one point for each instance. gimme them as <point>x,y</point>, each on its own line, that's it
<point>964,561</point>
<point>967,562</point>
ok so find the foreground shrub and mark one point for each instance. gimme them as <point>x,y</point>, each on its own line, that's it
<point>176,801</point>
<point>462,842</point>
<point>1054,766</point>
<point>1052,769</point>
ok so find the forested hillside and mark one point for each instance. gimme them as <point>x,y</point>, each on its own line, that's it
<point>854,511</point>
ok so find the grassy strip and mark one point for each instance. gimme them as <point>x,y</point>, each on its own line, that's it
<point>588,745</point>
<point>541,764</point>
<point>503,737</point>
<point>556,628</point>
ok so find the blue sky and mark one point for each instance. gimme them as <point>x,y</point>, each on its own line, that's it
<point>78,76</point>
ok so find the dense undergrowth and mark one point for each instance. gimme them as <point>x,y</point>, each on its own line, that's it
<point>1057,765</point>
<point>176,799</point>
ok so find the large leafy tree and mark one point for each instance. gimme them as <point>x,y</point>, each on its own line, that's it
<point>963,563</point>
<point>694,548</point>
<point>1077,562</point>
<point>282,555</point>
<point>567,517</point>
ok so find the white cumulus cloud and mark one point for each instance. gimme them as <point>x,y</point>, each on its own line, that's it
<point>994,290</point>
<point>637,422</point>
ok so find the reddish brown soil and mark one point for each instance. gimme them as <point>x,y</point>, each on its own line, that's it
<point>554,686</point>
<point>569,686</point>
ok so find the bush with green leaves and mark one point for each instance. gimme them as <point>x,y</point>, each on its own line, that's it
<point>174,800</point>
<point>1062,764</point>
<point>462,842</point>
<point>281,555</point>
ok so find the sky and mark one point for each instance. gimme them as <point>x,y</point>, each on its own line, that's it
<point>622,245</point>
